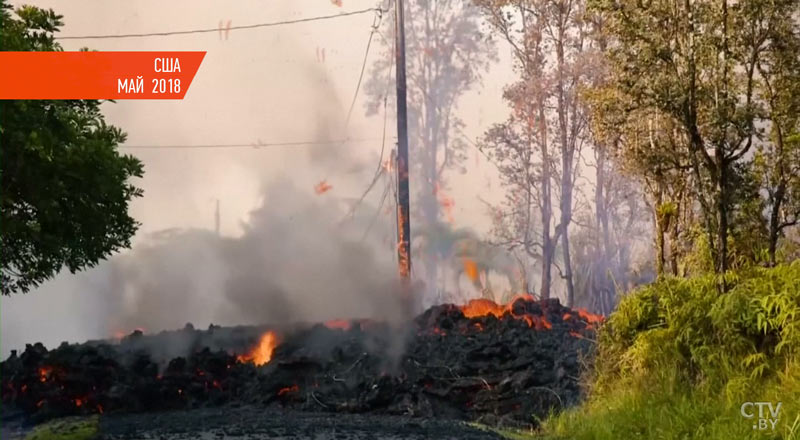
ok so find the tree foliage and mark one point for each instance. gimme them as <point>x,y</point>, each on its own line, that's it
<point>694,66</point>
<point>65,188</point>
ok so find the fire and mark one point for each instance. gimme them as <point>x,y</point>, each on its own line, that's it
<point>78,402</point>
<point>285,390</point>
<point>471,270</point>
<point>322,187</point>
<point>262,353</point>
<point>483,307</point>
<point>591,318</point>
<point>341,324</point>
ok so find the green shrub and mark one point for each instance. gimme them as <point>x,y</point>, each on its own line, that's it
<point>677,359</point>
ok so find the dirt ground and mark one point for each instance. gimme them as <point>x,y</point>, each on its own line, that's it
<point>255,423</point>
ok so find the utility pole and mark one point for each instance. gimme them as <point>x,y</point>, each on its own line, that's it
<point>403,211</point>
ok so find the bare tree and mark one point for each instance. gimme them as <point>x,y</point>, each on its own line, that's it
<point>548,39</point>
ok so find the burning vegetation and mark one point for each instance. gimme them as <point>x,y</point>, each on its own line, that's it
<point>496,363</point>
<point>262,353</point>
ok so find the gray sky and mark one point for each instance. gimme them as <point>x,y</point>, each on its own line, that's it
<point>263,84</point>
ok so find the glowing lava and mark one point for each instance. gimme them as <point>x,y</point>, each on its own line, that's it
<point>44,373</point>
<point>341,324</point>
<point>262,353</point>
<point>292,389</point>
<point>482,307</point>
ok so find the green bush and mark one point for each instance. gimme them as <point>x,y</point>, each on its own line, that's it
<point>677,359</point>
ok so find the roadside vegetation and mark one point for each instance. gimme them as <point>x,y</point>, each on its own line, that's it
<point>677,360</point>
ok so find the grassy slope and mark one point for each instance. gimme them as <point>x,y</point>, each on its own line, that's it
<point>79,428</point>
<point>677,360</point>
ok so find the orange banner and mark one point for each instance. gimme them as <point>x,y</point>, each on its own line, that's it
<point>97,75</point>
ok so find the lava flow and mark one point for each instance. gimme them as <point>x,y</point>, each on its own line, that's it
<point>262,353</point>
<point>482,307</point>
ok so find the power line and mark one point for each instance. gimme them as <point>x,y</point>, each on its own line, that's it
<point>255,145</point>
<point>376,22</point>
<point>378,170</point>
<point>209,30</point>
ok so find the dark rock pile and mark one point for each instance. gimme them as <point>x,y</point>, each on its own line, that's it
<point>501,367</point>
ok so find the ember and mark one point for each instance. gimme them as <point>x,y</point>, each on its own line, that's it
<point>322,187</point>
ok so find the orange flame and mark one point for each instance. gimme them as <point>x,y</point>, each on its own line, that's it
<point>322,187</point>
<point>591,318</point>
<point>471,270</point>
<point>262,353</point>
<point>483,307</point>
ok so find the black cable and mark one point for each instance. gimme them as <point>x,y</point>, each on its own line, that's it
<point>378,169</point>
<point>203,31</point>
<point>375,24</point>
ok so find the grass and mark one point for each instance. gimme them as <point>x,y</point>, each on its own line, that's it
<point>672,415</point>
<point>74,428</point>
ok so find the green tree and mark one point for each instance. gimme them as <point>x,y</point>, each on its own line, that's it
<point>777,162</point>
<point>65,187</point>
<point>695,62</point>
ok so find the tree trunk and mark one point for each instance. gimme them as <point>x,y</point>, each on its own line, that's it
<point>548,245</point>
<point>547,263</point>
<point>659,229</point>
<point>722,214</point>
<point>774,221</point>
<point>567,151</point>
